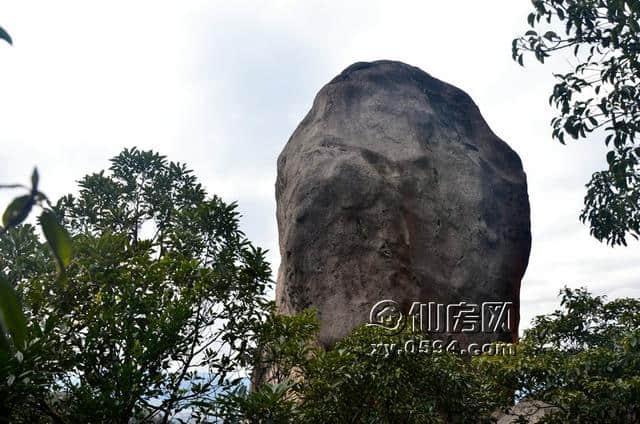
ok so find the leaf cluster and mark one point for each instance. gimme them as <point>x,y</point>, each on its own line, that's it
<point>579,364</point>
<point>351,383</point>
<point>583,360</point>
<point>600,94</point>
<point>157,309</point>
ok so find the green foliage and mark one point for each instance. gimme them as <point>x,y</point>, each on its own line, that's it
<point>12,320</point>
<point>283,343</point>
<point>270,403</point>
<point>584,360</point>
<point>4,35</point>
<point>601,93</point>
<point>351,383</point>
<point>28,255</point>
<point>58,239</point>
<point>13,325</point>
<point>156,311</point>
<point>17,211</point>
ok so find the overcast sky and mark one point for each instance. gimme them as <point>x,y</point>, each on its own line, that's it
<point>222,85</point>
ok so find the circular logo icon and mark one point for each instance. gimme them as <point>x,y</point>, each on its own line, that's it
<point>386,314</point>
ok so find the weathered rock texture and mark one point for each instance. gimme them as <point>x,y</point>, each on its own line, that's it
<point>394,187</point>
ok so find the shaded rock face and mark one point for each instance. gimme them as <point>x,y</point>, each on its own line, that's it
<point>394,187</point>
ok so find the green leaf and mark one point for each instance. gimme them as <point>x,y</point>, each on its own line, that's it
<point>50,323</point>
<point>4,35</point>
<point>35,179</point>
<point>11,318</point>
<point>608,139</point>
<point>58,239</point>
<point>17,211</point>
<point>560,14</point>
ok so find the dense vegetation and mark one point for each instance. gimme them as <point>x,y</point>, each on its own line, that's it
<point>154,315</point>
<point>582,361</point>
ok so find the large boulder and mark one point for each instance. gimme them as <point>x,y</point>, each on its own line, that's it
<point>394,187</point>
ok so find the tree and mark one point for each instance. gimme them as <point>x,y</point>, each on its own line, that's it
<point>357,381</point>
<point>583,360</point>
<point>155,315</point>
<point>27,254</point>
<point>581,364</point>
<point>601,94</point>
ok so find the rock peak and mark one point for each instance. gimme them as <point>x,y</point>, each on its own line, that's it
<point>394,187</point>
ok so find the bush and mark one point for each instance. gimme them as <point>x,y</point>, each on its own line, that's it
<point>582,361</point>
<point>153,317</point>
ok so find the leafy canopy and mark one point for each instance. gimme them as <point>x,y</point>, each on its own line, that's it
<point>356,382</point>
<point>13,326</point>
<point>580,364</point>
<point>157,310</point>
<point>600,95</point>
<point>583,359</point>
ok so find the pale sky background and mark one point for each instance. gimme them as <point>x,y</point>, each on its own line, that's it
<point>221,85</point>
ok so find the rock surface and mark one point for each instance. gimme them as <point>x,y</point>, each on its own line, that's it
<point>394,187</point>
